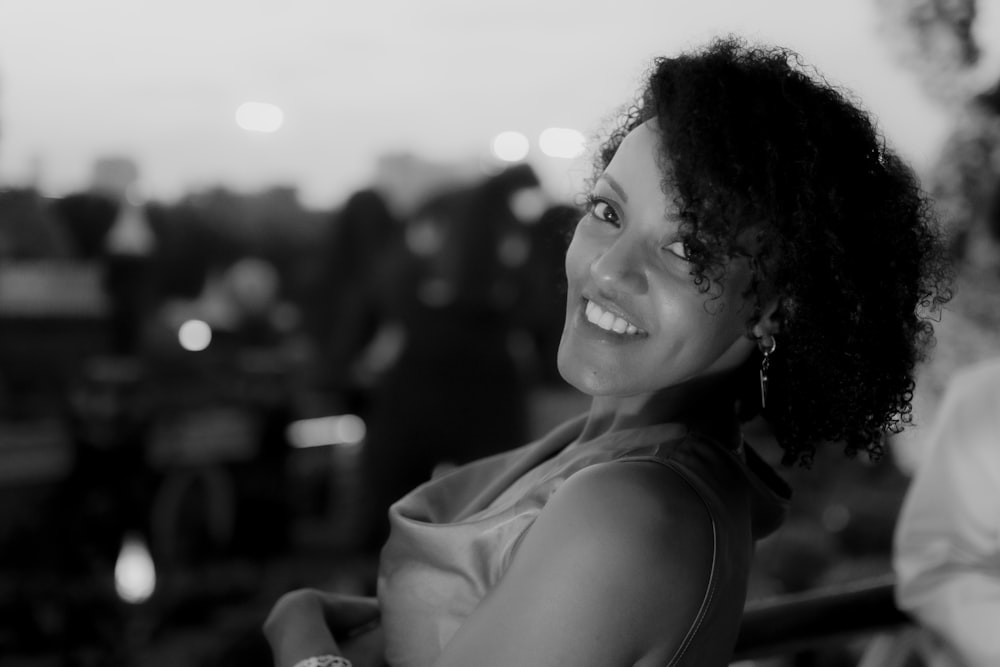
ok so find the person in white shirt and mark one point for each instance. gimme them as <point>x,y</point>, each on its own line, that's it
<point>947,541</point>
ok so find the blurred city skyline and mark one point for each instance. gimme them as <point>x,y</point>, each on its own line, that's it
<point>162,82</point>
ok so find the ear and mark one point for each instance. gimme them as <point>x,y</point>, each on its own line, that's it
<point>769,322</point>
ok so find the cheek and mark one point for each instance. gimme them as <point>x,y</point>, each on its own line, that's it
<point>577,264</point>
<point>722,321</point>
<point>727,333</point>
<point>697,327</point>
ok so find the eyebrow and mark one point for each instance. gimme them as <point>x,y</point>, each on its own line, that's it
<point>616,186</point>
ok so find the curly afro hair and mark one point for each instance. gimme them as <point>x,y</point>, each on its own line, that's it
<point>755,144</point>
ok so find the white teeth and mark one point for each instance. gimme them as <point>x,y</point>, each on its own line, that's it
<point>608,321</point>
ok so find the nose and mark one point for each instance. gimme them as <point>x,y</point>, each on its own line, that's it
<point>619,267</point>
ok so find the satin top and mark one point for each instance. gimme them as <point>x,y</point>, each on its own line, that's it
<point>452,538</point>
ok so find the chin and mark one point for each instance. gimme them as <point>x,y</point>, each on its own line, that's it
<point>565,374</point>
<point>589,381</point>
<point>572,376</point>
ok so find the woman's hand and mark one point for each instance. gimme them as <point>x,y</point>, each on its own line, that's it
<point>309,622</point>
<point>365,646</point>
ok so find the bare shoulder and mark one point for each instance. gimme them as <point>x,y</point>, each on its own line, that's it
<point>653,484</point>
<point>613,571</point>
<point>642,531</point>
<point>639,512</point>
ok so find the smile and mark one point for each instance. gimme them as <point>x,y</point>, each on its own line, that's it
<point>609,321</point>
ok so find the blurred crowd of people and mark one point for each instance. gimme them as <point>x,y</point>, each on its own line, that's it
<point>204,328</point>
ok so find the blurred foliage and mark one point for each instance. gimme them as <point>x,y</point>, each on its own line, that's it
<point>28,228</point>
<point>934,39</point>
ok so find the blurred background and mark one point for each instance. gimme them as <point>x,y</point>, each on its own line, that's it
<point>251,252</point>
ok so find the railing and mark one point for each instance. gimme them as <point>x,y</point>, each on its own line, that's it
<point>790,623</point>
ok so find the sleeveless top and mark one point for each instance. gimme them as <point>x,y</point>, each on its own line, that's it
<point>453,537</point>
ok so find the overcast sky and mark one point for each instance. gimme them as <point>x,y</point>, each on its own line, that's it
<point>161,80</point>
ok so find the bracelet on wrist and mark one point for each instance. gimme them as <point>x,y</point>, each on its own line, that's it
<point>323,661</point>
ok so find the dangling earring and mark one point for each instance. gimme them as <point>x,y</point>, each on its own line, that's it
<point>765,362</point>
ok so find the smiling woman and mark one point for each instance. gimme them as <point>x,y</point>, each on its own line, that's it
<point>739,201</point>
<point>635,321</point>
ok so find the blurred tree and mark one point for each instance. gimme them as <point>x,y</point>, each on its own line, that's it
<point>935,39</point>
<point>28,229</point>
<point>271,225</point>
<point>966,181</point>
<point>86,218</point>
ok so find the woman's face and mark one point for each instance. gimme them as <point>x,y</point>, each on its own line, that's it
<point>635,321</point>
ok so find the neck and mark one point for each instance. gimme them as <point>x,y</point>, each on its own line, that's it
<point>709,403</point>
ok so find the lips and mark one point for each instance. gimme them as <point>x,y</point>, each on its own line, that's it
<point>610,319</point>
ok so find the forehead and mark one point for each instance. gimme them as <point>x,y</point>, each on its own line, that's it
<point>635,168</point>
<point>638,150</point>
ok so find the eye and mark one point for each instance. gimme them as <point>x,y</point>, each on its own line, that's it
<point>602,209</point>
<point>679,248</point>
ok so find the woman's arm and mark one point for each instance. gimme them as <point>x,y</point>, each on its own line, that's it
<point>612,572</point>
<point>309,622</point>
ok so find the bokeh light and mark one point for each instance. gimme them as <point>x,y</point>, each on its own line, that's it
<point>323,431</point>
<point>135,574</point>
<point>562,142</point>
<point>510,146</point>
<point>259,117</point>
<point>194,335</point>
